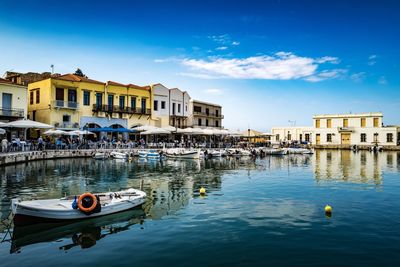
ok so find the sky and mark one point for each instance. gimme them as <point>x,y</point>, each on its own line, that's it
<point>268,63</point>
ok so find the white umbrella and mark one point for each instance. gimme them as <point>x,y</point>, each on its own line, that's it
<point>170,128</point>
<point>2,131</point>
<point>155,131</point>
<point>207,131</point>
<point>79,132</point>
<point>2,123</point>
<point>145,128</point>
<point>26,124</point>
<point>55,132</point>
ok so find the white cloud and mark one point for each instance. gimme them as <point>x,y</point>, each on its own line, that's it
<point>213,91</point>
<point>358,77</point>
<point>224,40</point>
<point>235,43</point>
<point>382,80</point>
<point>221,48</point>
<point>280,66</point>
<point>372,60</point>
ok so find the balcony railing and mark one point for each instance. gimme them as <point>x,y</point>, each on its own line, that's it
<point>65,104</point>
<point>215,115</point>
<point>12,112</point>
<point>119,109</point>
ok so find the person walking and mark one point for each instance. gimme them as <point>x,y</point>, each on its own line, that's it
<point>40,143</point>
<point>4,145</point>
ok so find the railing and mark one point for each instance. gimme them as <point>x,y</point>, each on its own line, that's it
<point>119,109</point>
<point>65,104</point>
<point>204,125</point>
<point>12,112</point>
<point>215,115</point>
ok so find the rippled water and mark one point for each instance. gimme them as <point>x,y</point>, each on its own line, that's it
<point>256,213</point>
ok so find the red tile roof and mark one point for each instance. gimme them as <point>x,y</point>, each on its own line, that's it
<point>115,83</point>
<point>148,88</point>
<point>75,78</point>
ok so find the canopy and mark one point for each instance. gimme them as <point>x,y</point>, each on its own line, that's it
<point>171,128</point>
<point>156,131</point>
<point>79,132</point>
<point>25,124</point>
<point>1,123</point>
<point>192,131</point>
<point>55,132</point>
<point>144,128</point>
<point>2,131</point>
<point>207,131</point>
<point>111,130</point>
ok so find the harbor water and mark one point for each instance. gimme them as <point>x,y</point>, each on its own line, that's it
<point>262,212</point>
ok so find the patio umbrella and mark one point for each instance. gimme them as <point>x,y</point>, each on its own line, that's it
<point>80,132</point>
<point>170,128</point>
<point>144,128</point>
<point>156,131</point>
<point>26,124</point>
<point>55,132</point>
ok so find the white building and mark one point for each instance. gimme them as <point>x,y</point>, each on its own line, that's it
<point>160,112</point>
<point>353,129</point>
<point>13,101</point>
<point>179,111</point>
<point>291,134</point>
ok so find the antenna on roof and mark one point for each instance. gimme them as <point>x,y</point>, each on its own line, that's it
<point>52,68</point>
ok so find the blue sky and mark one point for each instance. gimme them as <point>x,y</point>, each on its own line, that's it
<point>266,62</point>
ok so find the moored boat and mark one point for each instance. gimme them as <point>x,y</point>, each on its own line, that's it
<point>75,208</point>
<point>182,153</point>
<point>119,155</point>
<point>100,155</point>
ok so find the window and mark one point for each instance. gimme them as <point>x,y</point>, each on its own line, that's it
<point>86,98</point>
<point>162,104</point>
<point>155,105</point>
<point>207,111</point>
<point>99,99</point>
<point>179,108</point>
<point>389,138</point>
<point>301,137</point>
<point>307,137</point>
<point>60,94</point>
<point>37,96</point>
<point>216,123</point>
<point>317,123</point>
<point>133,102</point>
<point>345,122</point>
<point>206,122</point>
<point>363,122</point>
<point>173,108</point>
<point>71,95</point>
<point>31,98</point>
<point>143,105</point>
<point>376,122</point>
<point>121,101</point>
<point>328,123</point>
<point>329,137</point>
<point>199,122</point>
<point>186,107</point>
<point>197,109</point>
<point>217,113</point>
<point>363,138</point>
<point>66,120</point>
<point>277,137</point>
<point>376,137</point>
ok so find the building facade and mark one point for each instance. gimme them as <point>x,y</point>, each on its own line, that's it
<point>160,112</point>
<point>73,102</point>
<point>292,134</point>
<point>13,101</point>
<point>354,129</point>
<point>205,115</point>
<point>179,111</point>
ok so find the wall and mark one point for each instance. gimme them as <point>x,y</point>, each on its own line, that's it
<point>19,96</point>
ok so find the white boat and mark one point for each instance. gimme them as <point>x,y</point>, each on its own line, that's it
<point>100,155</point>
<point>275,151</point>
<point>119,155</point>
<point>28,212</point>
<point>214,153</point>
<point>150,154</point>
<point>182,153</point>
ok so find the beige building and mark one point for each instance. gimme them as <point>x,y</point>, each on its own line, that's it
<point>292,134</point>
<point>205,115</point>
<point>13,101</point>
<point>353,129</point>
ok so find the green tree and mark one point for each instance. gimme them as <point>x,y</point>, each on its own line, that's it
<point>79,72</point>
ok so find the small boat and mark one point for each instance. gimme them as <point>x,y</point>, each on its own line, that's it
<point>182,153</point>
<point>150,154</point>
<point>100,155</point>
<point>299,150</point>
<point>275,151</point>
<point>119,155</point>
<point>75,208</point>
<point>214,153</point>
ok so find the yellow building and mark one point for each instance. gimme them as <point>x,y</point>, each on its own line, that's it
<point>73,102</point>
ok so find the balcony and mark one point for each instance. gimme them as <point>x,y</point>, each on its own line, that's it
<point>345,129</point>
<point>205,114</point>
<point>12,112</point>
<point>65,104</point>
<point>119,109</point>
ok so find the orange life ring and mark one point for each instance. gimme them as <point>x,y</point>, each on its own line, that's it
<point>92,207</point>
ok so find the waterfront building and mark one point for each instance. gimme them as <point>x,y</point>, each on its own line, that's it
<point>161,98</point>
<point>179,108</point>
<point>292,134</point>
<point>13,101</point>
<point>205,115</point>
<point>28,77</point>
<point>74,102</point>
<point>362,129</point>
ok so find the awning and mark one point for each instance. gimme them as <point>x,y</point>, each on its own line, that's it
<point>110,130</point>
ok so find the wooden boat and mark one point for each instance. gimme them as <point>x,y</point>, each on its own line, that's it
<point>63,209</point>
<point>100,155</point>
<point>182,153</point>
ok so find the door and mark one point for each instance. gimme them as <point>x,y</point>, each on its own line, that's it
<point>345,138</point>
<point>7,99</point>
<point>143,105</point>
<point>318,139</point>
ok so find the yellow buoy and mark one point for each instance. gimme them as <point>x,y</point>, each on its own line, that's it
<point>202,191</point>
<point>328,209</point>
